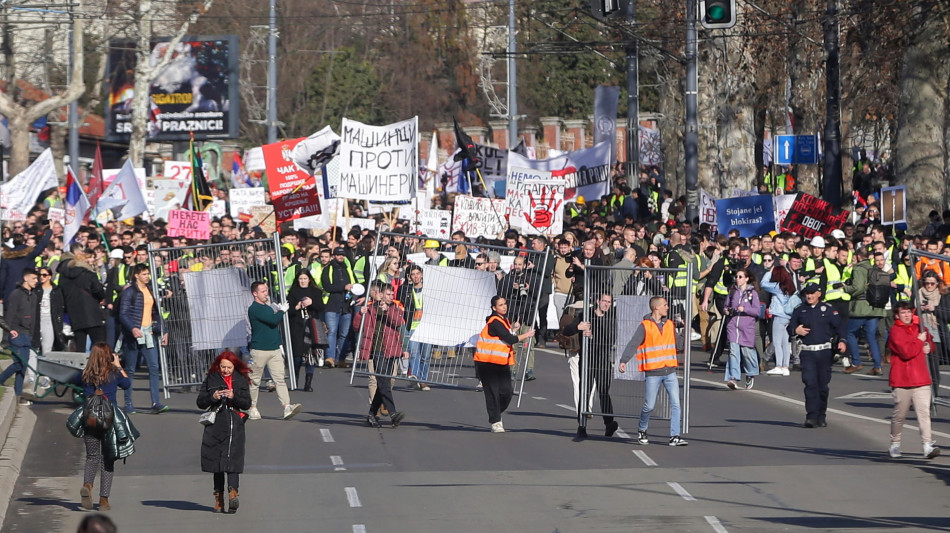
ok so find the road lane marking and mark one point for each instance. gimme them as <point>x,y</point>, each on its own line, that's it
<point>337,463</point>
<point>352,497</point>
<point>642,455</point>
<point>622,434</point>
<point>539,398</point>
<point>568,407</point>
<point>327,437</point>
<point>360,528</point>
<point>802,404</point>
<point>716,524</point>
<point>681,491</point>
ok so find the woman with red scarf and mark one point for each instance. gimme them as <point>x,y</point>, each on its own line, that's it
<point>226,390</point>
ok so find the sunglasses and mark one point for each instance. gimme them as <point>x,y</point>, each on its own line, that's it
<point>767,260</point>
<point>44,275</point>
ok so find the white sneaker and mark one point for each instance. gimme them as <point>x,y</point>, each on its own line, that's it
<point>931,450</point>
<point>786,372</point>
<point>497,428</point>
<point>291,410</point>
<point>253,414</point>
<point>777,371</point>
<point>695,336</point>
<point>895,450</point>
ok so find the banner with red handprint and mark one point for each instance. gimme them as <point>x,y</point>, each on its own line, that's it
<point>542,205</point>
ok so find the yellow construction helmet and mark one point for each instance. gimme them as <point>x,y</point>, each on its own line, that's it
<point>580,200</point>
<point>431,244</point>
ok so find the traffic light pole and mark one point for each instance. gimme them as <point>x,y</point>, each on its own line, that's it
<point>691,139</point>
<point>831,192</point>
<point>633,101</point>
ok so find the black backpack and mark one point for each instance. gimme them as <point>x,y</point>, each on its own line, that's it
<point>878,292</point>
<point>98,414</point>
<point>568,343</point>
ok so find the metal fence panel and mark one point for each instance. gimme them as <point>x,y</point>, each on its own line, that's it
<point>455,297</point>
<point>203,293</point>
<point>936,316</point>
<point>600,379</point>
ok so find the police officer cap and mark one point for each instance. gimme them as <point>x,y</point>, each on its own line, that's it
<point>810,288</point>
<point>339,250</point>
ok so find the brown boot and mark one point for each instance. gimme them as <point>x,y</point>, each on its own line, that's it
<point>232,500</point>
<point>104,504</point>
<point>86,494</point>
<point>218,501</point>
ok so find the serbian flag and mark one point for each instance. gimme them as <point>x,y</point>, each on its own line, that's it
<point>858,200</point>
<point>95,181</point>
<point>239,175</point>
<point>76,207</point>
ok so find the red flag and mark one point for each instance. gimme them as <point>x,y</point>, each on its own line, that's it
<point>95,181</point>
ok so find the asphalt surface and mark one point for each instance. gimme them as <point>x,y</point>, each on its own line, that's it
<point>749,466</point>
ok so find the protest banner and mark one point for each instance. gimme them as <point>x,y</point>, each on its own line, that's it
<point>379,162</point>
<point>292,191</point>
<point>167,194</point>
<point>18,195</point>
<point>707,210</point>
<point>243,199</point>
<point>894,205</point>
<point>587,171</point>
<point>434,223</point>
<point>780,206</point>
<point>263,217</point>
<point>478,217</point>
<point>740,193</point>
<point>751,215</point>
<point>810,217</point>
<point>177,170</point>
<point>189,224</point>
<point>541,212</point>
<point>513,191</point>
<point>57,214</point>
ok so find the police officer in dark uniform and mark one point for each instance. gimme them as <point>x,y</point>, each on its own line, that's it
<point>821,331</point>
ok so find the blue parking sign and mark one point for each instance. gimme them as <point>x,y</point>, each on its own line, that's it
<point>796,150</point>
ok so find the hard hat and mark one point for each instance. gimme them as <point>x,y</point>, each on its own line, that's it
<point>430,243</point>
<point>116,253</point>
<point>838,234</point>
<point>580,199</point>
<point>818,242</point>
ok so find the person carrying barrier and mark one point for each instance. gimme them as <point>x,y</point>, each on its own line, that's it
<point>601,333</point>
<point>266,350</point>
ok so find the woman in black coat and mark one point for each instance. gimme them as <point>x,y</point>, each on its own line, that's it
<point>306,312</point>
<point>226,389</point>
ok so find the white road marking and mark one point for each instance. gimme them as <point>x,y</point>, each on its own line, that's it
<point>337,463</point>
<point>539,398</point>
<point>835,411</point>
<point>642,455</point>
<point>681,491</point>
<point>622,434</point>
<point>716,524</point>
<point>327,437</point>
<point>352,497</point>
<point>568,407</point>
<point>360,528</point>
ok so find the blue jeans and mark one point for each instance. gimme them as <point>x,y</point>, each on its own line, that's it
<point>672,386</point>
<point>783,350</point>
<point>21,349</point>
<point>338,326</point>
<point>869,325</point>
<point>419,355</point>
<point>741,357</point>
<point>132,351</point>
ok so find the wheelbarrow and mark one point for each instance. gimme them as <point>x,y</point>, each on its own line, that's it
<point>64,371</point>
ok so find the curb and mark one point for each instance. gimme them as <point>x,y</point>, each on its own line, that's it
<point>15,433</point>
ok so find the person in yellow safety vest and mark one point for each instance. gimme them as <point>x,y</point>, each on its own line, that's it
<point>316,269</point>
<point>118,278</point>
<point>817,246</point>
<point>903,281</point>
<point>431,250</point>
<point>576,208</point>
<point>49,258</point>
<point>338,280</point>
<point>291,268</point>
<point>494,357</point>
<point>420,353</point>
<point>808,262</point>
<point>836,272</point>
<point>655,344</point>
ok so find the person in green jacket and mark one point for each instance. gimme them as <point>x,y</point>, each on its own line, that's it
<point>862,315</point>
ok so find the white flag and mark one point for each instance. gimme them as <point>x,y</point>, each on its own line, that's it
<point>316,150</point>
<point>123,196</point>
<point>20,193</point>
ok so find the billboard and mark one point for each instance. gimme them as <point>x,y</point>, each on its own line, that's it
<point>196,92</point>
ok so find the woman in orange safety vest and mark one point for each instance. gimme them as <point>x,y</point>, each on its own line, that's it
<point>493,357</point>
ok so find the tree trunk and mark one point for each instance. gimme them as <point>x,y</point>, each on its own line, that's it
<point>806,71</point>
<point>708,68</point>
<point>736,125</point>
<point>670,125</point>
<point>920,159</point>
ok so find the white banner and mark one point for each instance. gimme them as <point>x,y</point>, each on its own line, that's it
<point>434,223</point>
<point>457,323</point>
<point>478,217</point>
<point>176,170</point>
<point>242,200</point>
<point>18,195</point>
<point>707,209</point>
<point>514,200</point>
<point>379,162</point>
<point>542,203</point>
<point>780,206</point>
<point>587,171</point>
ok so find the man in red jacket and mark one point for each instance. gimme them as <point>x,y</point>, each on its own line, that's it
<point>910,346</point>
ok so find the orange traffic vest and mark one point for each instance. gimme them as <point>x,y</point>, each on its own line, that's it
<point>659,347</point>
<point>490,349</point>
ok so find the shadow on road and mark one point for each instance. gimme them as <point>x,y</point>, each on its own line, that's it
<point>65,504</point>
<point>177,505</point>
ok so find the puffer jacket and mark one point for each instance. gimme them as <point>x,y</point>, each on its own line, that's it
<point>82,293</point>
<point>909,366</point>
<point>16,260</point>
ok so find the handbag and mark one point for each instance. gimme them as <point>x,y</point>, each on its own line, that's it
<point>308,358</point>
<point>208,417</point>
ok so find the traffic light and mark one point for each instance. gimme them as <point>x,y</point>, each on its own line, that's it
<point>717,14</point>
<point>602,9</point>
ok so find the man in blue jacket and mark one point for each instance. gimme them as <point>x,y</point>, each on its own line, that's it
<point>141,326</point>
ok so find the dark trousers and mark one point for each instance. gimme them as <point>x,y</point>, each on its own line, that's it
<point>602,377</point>
<point>384,386</point>
<point>496,383</point>
<point>233,481</point>
<point>816,375</point>
<point>543,313</point>
<point>95,334</point>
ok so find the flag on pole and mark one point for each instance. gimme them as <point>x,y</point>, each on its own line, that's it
<point>123,196</point>
<point>239,174</point>
<point>76,207</point>
<point>19,194</point>
<point>200,191</point>
<point>95,181</point>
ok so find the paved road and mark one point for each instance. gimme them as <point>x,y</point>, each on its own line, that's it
<point>749,466</point>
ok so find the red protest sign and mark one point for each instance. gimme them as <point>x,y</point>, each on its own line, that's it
<point>189,224</point>
<point>292,191</point>
<point>810,217</point>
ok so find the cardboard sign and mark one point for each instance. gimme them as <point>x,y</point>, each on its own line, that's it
<point>514,197</point>
<point>894,205</point>
<point>292,191</point>
<point>167,194</point>
<point>780,206</point>
<point>57,214</point>
<point>177,170</point>
<point>434,223</point>
<point>751,215</point>
<point>541,207</point>
<point>379,162</point>
<point>478,217</point>
<point>707,209</point>
<point>189,224</point>
<point>243,199</point>
<point>263,216</point>
<point>810,216</point>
